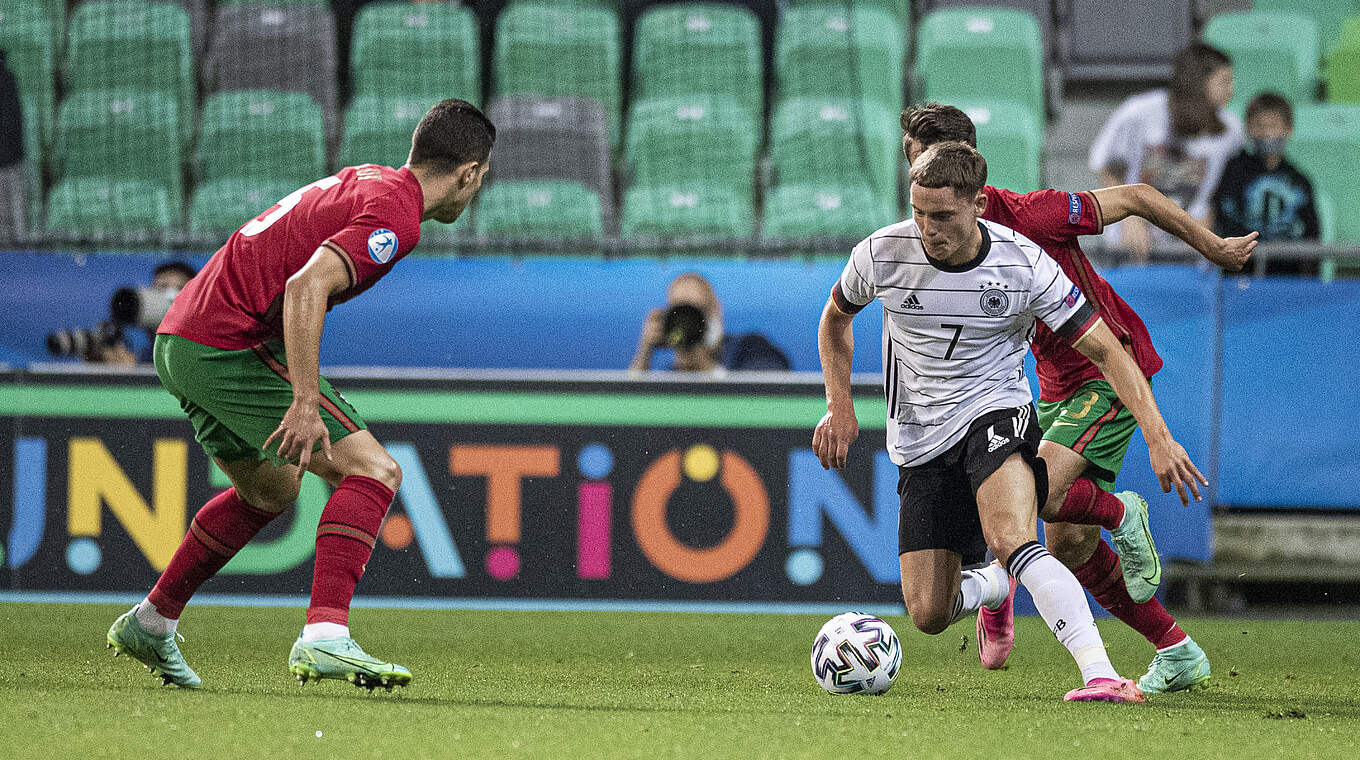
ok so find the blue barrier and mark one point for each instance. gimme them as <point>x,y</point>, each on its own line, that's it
<point>1268,436</point>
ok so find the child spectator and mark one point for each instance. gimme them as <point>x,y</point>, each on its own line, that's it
<point>1260,189</point>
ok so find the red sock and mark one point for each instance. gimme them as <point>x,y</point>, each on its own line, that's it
<point>1089,504</point>
<point>344,542</point>
<point>1100,575</point>
<point>219,530</point>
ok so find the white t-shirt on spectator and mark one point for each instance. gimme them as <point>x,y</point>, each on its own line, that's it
<point>1138,135</point>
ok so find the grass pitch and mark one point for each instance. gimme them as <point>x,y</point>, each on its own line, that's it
<point>653,685</point>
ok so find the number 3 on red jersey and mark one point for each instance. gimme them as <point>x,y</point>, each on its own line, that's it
<point>256,226</point>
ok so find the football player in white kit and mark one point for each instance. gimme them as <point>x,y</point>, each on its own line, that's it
<point>960,298</point>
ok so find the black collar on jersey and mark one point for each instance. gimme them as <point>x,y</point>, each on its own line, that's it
<point>966,266</point>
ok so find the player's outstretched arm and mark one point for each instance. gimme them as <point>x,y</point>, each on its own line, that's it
<point>839,428</point>
<point>1145,201</point>
<point>304,314</point>
<point>1169,460</point>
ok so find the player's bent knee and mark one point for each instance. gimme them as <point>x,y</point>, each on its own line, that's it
<point>931,621</point>
<point>927,617</point>
<point>1071,544</point>
<point>383,469</point>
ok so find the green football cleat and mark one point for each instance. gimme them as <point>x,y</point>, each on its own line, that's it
<point>1138,558</point>
<point>343,660</point>
<point>158,653</point>
<point>1183,668</point>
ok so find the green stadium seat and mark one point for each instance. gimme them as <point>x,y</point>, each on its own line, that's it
<point>1326,213</point>
<point>538,210</point>
<point>110,209</point>
<point>378,129</point>
<point>1343,65</point>
<point>438,238</point>
<point>430,51</point>
<point>699,49</point>
<point>219,207</point>
<point>797,212</point>
<point>121,133</point>
<point>278,3</point>
<point>33,153</point>
<point>815,140</point>
<point>1011,138</point>
<point>261,134</point>
<point>26,38</point>
<point>137,45</point>
<point>551,50</point>
<point>686,214</point>
<point>1328,14</point>
<point>1326,147</point>
<point>981,54</point>
<point>1274,51</point>
<point>703,139</point>
<point>809,39</point>
<point>899,9</point>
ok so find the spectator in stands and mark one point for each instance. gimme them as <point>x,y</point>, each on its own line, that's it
<point>691,325</point>
<point>1176,139</point>
<point>11,154</point>
<point>1260,189</point>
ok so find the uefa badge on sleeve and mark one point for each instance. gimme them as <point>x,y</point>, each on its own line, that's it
<point>382,245</point>
<point>1070,300</point>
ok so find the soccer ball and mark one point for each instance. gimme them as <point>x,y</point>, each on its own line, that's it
<point>855,653</point>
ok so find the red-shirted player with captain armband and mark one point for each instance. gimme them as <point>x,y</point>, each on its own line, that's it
<point>1086,428</point>
<point>239,349</point>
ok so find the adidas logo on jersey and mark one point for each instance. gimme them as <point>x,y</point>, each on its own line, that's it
<point>913,302</point>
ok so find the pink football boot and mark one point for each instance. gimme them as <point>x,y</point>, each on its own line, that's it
<point>996,631</point>
<point>1106,690</point>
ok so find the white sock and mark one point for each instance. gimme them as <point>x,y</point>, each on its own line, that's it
<point>319,631</point>
<point>986,586</point>
<point>1062,605</point>
<point>153,621</point>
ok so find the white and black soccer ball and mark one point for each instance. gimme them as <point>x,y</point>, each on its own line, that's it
<point>855,653</point>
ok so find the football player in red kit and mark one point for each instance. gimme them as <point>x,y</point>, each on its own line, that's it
<point>239,349</point>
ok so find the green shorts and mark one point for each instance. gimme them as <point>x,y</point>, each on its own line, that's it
<point>236,399</point>
<point>1094,423</point>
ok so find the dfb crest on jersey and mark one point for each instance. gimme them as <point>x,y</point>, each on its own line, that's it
<point>382,245</point>
<point>994,302</point>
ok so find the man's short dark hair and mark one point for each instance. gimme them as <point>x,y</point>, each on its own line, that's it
<point>951,164</point>
<point>451,134</point>
<point>181,267</point>
<point>933,123</point>
<point>1271,102</point>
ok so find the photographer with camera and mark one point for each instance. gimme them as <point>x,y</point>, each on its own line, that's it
<point>691,326</point>
<point>110,341</point>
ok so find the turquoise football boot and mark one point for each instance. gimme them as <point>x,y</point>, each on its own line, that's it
<point>1138,558</point>
<point>343,660</point>
<point>158,653</point>
<point>1182,668</point>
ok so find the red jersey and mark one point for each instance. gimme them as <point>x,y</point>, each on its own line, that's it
<point>369,215</point>
<point>1053,219</point>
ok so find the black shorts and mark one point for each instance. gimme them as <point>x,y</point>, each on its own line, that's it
<point>939,498</point>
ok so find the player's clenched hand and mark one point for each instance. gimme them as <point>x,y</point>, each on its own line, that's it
<point>1174,468</point>
<point>1232,253</point>
<point>832,437</point>
<point>298,433</point>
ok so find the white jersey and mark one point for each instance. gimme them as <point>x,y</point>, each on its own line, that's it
<point>954,337</point>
